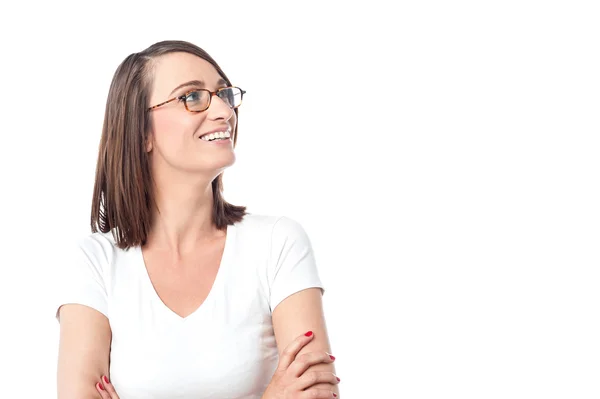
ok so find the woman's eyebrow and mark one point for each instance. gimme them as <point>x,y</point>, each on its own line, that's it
<point>190,83</point>
<point>198,83</point>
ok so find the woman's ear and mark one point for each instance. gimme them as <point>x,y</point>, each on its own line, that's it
<point>149,141</point>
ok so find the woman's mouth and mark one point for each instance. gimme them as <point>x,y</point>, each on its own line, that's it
<point>216,136</point>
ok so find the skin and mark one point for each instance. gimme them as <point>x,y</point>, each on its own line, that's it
<point>183,167</point>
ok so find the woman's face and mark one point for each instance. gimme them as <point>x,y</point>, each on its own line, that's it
<point>175,138</point>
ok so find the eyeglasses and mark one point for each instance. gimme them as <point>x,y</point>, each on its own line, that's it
<point>198,100</point>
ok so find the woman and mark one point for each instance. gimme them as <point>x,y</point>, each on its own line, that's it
<point>177,293</point>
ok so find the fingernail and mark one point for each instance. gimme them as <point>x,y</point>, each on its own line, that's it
<point>334,395</point>
<point>332,357</point>
<point>105,378</point>
<point>338,378</point>
<point>308,334</point>
<point>100,387</point>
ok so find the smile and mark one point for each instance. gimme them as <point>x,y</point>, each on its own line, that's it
<point>225,135</point>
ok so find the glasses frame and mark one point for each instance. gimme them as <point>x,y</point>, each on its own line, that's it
<point>211,94</point>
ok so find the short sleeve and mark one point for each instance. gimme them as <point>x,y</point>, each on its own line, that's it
<point>80,278</point>
<point>292,266</point>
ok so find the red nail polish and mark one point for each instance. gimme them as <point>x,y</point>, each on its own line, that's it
<point>105,378</point>
<point>338,378</point>
<point>100,387</point>
<point>334,395</point>
<point>308,334</point>
<point>332,357</point>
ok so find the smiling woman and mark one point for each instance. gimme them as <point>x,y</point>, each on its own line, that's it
<point>176,292</point>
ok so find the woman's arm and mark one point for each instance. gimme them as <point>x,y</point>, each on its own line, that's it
<point>84,350</point>
<point>300,312</point>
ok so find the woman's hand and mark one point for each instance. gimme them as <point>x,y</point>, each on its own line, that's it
<point>106,389</point>
<point>291,381</point>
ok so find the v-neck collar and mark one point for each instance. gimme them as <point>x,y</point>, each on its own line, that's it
<point>216,286</point>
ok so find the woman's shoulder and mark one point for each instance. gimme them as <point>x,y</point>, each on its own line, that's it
<point>99,248</point>
<point>95,240</point>
<point>274,226</point>
<point>268,222</point>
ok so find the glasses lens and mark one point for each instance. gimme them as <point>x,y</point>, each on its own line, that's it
<point>231,95</point>
<point>197,100</point>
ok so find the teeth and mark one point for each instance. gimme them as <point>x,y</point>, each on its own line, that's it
<point>217,135</point>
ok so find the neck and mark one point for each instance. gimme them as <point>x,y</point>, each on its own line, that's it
<point>182,219</point>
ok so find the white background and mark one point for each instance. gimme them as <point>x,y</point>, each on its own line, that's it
<point>442,156</point>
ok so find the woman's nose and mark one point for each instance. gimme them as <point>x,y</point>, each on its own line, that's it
<point>219,109</point>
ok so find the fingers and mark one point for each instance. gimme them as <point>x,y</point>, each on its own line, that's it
<point>317,394</point>
<point>103,394</point>
<point>311,378</point>
<point>106,389</point>
<point>289,353</point>
<point>303,362</point>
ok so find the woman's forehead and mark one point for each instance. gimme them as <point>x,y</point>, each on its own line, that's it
<point>174,69</point>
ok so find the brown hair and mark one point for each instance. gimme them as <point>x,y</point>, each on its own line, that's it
<point>123,197</point>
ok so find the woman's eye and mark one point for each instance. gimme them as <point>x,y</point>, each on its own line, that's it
<point>193,96</point>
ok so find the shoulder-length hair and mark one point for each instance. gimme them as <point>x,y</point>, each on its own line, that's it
<point>123,197</point>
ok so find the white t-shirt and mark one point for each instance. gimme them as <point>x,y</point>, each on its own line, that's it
<point>226,348</point>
